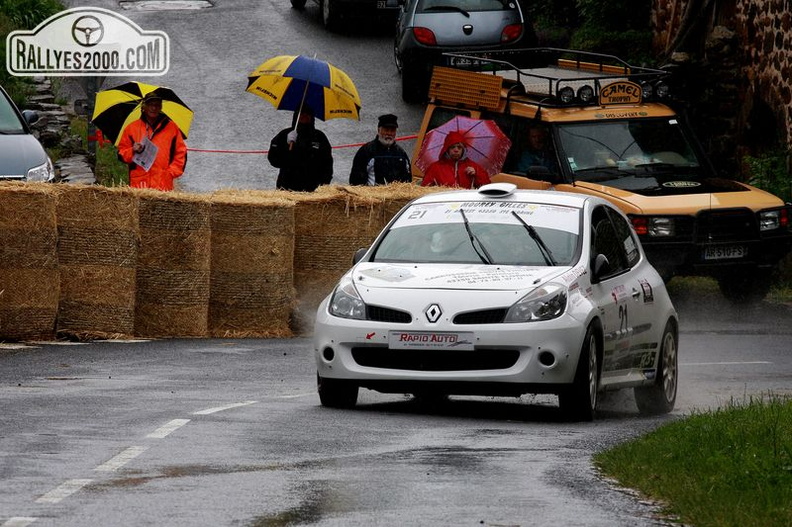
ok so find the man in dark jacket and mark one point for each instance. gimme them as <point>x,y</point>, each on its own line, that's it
<point>303,154</point>
<point>381,161</point>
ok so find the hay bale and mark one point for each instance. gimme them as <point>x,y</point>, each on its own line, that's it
<point>172,274</point>
<point>251,283</point>
<point>29,280</point>
<point>97,251</point>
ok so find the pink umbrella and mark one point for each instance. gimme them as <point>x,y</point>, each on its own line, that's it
<point>486,144</point>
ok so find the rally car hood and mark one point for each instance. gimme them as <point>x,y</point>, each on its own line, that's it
<point>452,276</point>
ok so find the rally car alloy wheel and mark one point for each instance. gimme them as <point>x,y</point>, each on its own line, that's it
<point>660,397</point>
<point>580,400</point>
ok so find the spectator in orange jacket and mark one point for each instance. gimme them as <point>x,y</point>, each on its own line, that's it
<point>165,135</point>
<point>453,168</point>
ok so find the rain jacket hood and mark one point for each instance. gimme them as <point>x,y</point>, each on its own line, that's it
<point>450,140</point>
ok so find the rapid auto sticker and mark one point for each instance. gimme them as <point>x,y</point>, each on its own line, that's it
<point>618,293</point>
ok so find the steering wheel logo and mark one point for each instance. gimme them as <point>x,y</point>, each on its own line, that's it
<point>87,31</point>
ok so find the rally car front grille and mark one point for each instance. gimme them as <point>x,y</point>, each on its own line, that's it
<point>435,360</point>
<point>384,314</point>
<point>726,225</point>
<point>487,316</point>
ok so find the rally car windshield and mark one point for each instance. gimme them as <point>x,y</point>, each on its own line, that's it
<point>606,150</point>
<point>476,233</point>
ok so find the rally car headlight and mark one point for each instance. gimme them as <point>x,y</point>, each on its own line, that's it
<point>45,172</point>
<point>346,302</point>
<point>544,303</point>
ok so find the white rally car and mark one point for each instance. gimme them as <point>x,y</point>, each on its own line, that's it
<point>501,292</point>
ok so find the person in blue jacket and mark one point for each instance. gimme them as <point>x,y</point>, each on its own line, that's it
<point>381,161</point>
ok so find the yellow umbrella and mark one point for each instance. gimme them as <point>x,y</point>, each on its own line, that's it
<point>116,107</point>
<point>290,81</point>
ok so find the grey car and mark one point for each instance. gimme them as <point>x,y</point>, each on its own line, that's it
<point>336,12</point>
<point>428,28</point>
<point>21,155</point>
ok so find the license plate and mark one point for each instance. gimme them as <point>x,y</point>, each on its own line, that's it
<point>724,252</point>
<point>411,340</point>
<point>382,4</point>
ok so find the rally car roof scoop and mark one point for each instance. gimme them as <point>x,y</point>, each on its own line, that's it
<point>497,190</point>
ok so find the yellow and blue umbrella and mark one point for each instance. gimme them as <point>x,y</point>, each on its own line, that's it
<point>289,82</point>
<point>116,107</point>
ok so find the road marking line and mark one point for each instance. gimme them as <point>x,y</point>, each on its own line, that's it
<point>121,459</point>
<point>723,363</point>
<point>64,490</point>
<point>295,396</point>
<point>19,521</point>
<point>221,408</point>
<point>167,429</point>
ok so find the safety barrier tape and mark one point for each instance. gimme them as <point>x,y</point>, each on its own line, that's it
<point>403,138</point>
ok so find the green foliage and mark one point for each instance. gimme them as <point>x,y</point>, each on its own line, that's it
<point>632,45</point>
<point>21,14</point>
<point>770,171</point>
<point>742,477</point>
<point>27,14</point>
<point>109,170</point>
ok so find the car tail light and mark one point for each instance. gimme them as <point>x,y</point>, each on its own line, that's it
<point>640,224</point>
<point>424,36</point>
<point>773,219</point>
<point>511,32</point>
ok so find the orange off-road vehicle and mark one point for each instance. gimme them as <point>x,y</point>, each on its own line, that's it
<point>609,130</point>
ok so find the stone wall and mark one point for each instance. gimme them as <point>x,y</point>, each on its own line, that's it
<point>737,58</point>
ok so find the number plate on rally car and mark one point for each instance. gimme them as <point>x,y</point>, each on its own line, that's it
<point>410,340</point>
<point>724,252</point>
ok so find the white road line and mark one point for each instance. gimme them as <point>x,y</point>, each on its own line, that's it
<point>723,363</point>
<point>295,396</point>
<point>121,459</point>
<point>167,429</point>
<point>221,408</point>
<point>64,490</point>
<point>18,521</point>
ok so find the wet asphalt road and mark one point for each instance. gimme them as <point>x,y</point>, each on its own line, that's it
<point>230,432</point>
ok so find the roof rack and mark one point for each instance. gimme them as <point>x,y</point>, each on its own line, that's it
<point>564,77</point>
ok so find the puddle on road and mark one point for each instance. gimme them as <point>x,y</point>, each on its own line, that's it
<point>163,5</point>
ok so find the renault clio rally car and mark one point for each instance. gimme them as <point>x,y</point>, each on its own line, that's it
<point>612,131</point>
<point>501,292</point>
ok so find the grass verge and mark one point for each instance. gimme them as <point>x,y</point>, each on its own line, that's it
<point>731,467</point>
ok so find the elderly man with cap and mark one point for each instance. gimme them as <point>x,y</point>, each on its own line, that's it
<point>302,153</point>
<point>167,153</point>
<point>381,161</point>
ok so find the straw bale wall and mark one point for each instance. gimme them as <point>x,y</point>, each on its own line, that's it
<point>97,256</point>
<point>172,297</point>
<point>29,279</point>
<point>331,224</point>
<point>95,262</point>
<point>251,283</point>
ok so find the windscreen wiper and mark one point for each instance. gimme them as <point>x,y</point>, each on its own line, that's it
<point>448,8</point>
<point>547,254</point>
<point>481,251</point>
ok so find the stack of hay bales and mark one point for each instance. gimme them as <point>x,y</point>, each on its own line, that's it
<point>29,279</point>
<point>252,292</point>
<point>97,254</point>
<point>331,224</point>
<point>172,297</point>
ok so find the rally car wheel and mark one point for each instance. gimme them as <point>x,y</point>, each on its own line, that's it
<point>579,401</point>
<point>335,393</point>
<point>298,4</point>
<point>660,397</point>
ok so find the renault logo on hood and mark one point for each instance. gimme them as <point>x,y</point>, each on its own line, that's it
<point>433,313</point>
